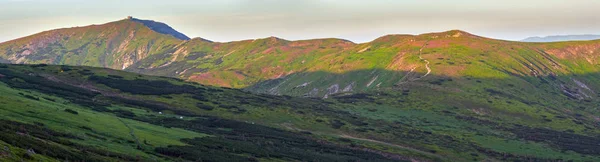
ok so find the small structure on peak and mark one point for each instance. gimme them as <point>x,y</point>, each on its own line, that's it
<point>129,17</point>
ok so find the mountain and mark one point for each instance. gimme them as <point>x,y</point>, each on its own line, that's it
<point>278,66</point>
<point>116,45</point>
<point>560,38</point>
<point>314,68</point>
<point>446,96</point>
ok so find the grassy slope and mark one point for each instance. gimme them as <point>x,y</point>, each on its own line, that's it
<point>130,123</point>
<point>244,64</point>
<point>115,45</point>
<point>132,46</point>
<point>420,121</point>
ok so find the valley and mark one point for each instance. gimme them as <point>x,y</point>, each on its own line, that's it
<point>127,91</point>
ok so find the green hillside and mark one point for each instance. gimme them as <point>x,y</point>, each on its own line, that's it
<point>301,68</point>
<point>83,113</point>
<point>114,45</point>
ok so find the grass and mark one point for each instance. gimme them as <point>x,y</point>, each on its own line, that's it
<point>483,100</point>
<point>51,114</point>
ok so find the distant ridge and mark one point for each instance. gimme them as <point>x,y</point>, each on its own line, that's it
<point>278,66</point>
<point>161,28</point>
<point>559,38</point>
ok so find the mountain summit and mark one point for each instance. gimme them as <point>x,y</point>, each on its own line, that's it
<point>115,45</point>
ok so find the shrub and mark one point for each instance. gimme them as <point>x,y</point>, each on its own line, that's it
<point>71,111</point>
<point>205,107</point>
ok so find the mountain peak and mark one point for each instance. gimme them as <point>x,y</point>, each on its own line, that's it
<point>160,28</point>
<point>450,33</point>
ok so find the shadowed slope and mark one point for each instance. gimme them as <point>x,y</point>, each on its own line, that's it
<point>162,28</point>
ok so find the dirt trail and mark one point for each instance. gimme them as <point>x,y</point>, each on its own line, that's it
<point>389,144</point>
<point>427,64</point>
<point>137,141</point>
<point>290,126</point>
<point>408,79</point>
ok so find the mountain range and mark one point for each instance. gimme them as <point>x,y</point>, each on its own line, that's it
<point>446,96</point>
<point>142,46</point>
<point>560,38</point>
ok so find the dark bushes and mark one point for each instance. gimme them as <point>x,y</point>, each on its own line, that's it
<point>257,141</point>
<point>337,124</point>
<point>564,140</point>
<point>38,139</point>
<point>124,113</point>
<point>204,106</point>
<point>145,87</point>
<point>71,111</point>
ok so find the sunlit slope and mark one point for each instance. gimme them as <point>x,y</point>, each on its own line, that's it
<point>315,68</point>
<point>115,45</point>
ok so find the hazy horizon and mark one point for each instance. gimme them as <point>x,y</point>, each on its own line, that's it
<point>231,20</point>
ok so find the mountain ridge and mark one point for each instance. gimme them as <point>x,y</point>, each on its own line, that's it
<point>133,93</point>
<point>559,38</point>
<point>242,64</point>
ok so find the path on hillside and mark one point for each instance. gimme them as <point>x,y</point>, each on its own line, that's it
<point>389,144</point>
<point>427,64</point>
<point>137,141</point>
<point>291,127</point>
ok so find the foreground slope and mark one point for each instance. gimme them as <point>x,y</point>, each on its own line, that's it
<point>109,115</point>
<point>115,115</point>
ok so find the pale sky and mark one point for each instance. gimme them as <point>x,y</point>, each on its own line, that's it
<point>358,21</point>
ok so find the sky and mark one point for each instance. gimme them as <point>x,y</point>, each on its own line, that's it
<point>354,20</point>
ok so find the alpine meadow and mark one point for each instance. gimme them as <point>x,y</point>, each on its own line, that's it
<point>139,90</point>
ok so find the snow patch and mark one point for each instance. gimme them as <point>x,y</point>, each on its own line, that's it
<point>302,85</point>
<point>314,92</point>
<point>582,85</point>
<point>349,87</point>
<point>372,80</point>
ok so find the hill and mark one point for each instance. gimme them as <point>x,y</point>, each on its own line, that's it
<point>57,113</point>
<point>561,38</point>
<point>313,68</point>
<point>115,45</point>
